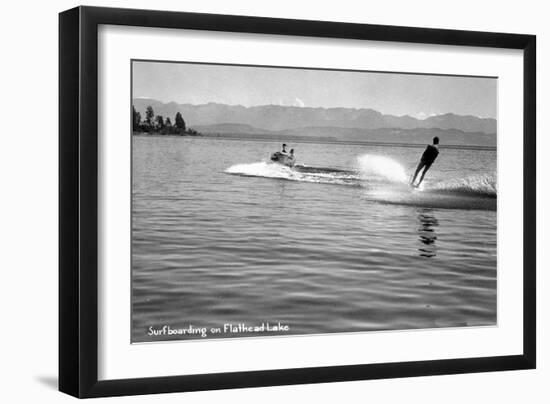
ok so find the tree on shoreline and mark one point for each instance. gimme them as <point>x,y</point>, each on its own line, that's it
<point>149,115</point>
<point>159,125</point>
<point>136,120</point>
<point>180,123</point>
<point>159,122</point>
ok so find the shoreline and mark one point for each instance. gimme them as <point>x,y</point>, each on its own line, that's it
<point>301,140</point>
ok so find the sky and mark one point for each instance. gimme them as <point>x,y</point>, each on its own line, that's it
<point>398,94</point>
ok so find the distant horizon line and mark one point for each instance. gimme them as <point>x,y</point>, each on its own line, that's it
<point>310,107</point>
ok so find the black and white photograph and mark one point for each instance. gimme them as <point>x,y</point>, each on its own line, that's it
<point>273,201</point>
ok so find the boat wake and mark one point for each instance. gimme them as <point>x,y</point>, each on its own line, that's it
<point>296,173</point>
<point>385,180</point>
<point>476,185</point>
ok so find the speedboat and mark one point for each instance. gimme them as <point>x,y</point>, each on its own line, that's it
<point>283,159</point>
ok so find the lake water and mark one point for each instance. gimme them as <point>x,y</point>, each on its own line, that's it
<point>339,243</point>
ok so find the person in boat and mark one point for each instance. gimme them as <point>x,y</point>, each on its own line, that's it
<point>292,153</point>
<point>284,150</point>
<point>426,161</point>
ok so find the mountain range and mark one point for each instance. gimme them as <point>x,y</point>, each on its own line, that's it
<point>289,120</point>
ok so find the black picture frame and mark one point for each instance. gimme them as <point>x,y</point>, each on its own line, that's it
<point>78,200</point>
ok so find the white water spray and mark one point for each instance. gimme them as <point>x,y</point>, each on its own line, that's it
<point>381,167</point>
<point>479,184</point>
<point>262,169</point>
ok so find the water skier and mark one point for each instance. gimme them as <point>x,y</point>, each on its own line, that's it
<point>426,161</point>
